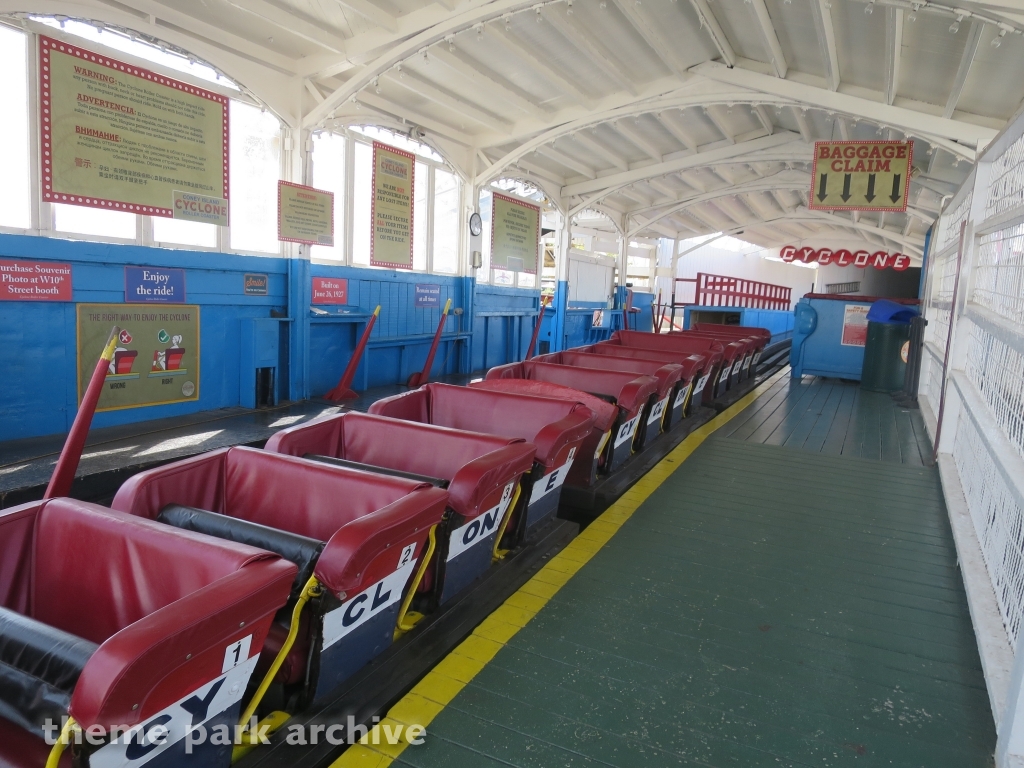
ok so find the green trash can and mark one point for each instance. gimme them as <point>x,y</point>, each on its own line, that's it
<point>887,347</point>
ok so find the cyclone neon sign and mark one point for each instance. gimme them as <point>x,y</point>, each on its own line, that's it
<point>845,258</point>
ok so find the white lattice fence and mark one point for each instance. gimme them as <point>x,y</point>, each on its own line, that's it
<point>980,430</point>
<point>998,522</point>
<point>999,274</point>
<point>997,370</point>
<point>1006,182</point>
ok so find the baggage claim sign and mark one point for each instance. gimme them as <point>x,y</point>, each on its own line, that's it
<point>120,137</point>
<point>861,175</point>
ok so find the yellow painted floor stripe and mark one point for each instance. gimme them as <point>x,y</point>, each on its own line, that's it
<point>442,684</point>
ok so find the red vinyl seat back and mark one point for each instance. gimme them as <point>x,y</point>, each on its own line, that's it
<point>735,331</point>
<point>494,413</point>
<point>630,391</point>
<point>266,488</point>
<point>419,448</point>
<point>667,374</point>
<point>95,571</point>
<point>666,341</point>
<point>161,603</point>
<point>693,365</point>
<point>476,465</point>
<point>305,497</point>
<point>749,344</point>
<point>604,412</point>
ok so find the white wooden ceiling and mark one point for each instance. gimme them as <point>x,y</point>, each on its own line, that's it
<point>673,117</point>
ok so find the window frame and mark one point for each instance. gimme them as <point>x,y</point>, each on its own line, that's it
<point>425,219</point>
<point>43,214</point>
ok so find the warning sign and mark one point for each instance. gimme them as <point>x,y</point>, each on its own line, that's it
<point>855,325</point>
<point>861,175</point>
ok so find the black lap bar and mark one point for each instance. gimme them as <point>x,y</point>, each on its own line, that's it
<point>39,667</point>
<point>301,550</point>
<point>435,481</point>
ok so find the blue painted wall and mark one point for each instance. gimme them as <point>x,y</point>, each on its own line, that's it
<point>503,322</point>
<point>38,340</point>
<point>401,336</point>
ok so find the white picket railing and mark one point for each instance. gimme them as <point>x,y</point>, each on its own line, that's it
<point>972,398</point>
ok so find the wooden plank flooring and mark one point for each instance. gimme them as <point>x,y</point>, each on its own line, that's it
<point>780,600</point>
<point>834,417</point>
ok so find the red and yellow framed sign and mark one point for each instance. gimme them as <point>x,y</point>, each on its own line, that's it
<point>304,214</point>
<point>861,175</point>
<point>117,136</point>
<point>515,234</point>
<point>391,213</point>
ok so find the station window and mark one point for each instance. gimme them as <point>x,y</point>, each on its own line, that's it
<point>446,222</point>
<point>436,197</point>
<point>485,274</point>
<point>329,175</point>
<point>341,163</point>
<point>255,169</point>
<point>15,210</point>
<point>178,232</point>
<point>361,193</point>
<point>97,222</point>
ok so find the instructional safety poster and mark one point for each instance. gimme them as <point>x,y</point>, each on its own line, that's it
<point>855,325</point>
<point>120,137</point>
<point>515,234</point>
<point>391,208</point>
<point>156,360</point>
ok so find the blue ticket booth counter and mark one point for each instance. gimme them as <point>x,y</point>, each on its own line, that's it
<point>829,335</point>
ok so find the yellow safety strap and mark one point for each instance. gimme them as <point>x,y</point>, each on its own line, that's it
<point>499,554</point>
<point>408,619</point>
<point>602,444</point>
<point>62,742</point>
<point>311,590</point>
<point>686,400</point>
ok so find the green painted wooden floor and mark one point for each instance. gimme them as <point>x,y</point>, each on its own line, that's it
<point>764,607</point>
<point>834,417</point>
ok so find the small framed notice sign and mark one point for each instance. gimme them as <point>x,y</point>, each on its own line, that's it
<point>391,208</point>
<point>304,214</point>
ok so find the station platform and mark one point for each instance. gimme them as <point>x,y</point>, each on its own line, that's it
<point>113,454</point>
<point>781,589</point>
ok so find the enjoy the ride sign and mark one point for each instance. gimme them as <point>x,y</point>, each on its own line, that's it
<point>861,175</point>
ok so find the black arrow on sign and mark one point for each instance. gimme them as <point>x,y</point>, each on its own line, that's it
<point>821,187</point>
<point>846,188</point>
<point>871,188</point>
<point>896,194</point>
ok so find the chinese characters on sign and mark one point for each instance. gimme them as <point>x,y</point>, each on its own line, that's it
<point>120,137</point>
